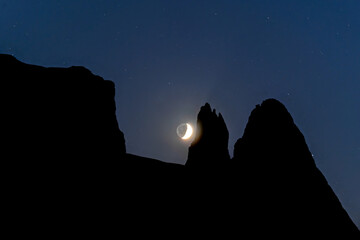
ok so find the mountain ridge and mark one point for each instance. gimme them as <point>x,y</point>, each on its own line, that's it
<point>63,140</point>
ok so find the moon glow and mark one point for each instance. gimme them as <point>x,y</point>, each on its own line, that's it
<point>184,131</point>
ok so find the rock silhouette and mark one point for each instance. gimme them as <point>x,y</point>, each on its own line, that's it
<point>275,160</point>
<point>60,117</point>
<point>210,146</point>
<point>66,168</point>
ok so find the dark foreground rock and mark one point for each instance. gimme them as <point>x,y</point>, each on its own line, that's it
<point>66,171</point>
<point>282,180</point>
<point>210,147</point>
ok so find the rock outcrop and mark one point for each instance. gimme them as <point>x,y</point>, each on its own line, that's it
<point>281,179</point>
<point>59,121</point>
<point>210,146</point>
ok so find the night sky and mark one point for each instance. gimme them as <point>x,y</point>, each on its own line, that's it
<point>167,58</point>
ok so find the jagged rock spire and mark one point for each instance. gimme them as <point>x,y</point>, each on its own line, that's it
<point>210,147</point>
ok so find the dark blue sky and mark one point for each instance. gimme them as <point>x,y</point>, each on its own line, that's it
<point>167,58</point>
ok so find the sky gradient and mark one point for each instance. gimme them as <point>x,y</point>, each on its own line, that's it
<point>167,58</point>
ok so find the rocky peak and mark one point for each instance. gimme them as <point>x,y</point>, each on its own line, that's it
<point>272,134</point>
<point>273,159</point>
<point>210,146</point>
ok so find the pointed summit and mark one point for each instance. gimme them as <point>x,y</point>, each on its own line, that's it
<point>275,161</point>
<point>210,146</point>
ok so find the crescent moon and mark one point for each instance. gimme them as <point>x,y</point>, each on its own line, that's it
<point>189,132</point>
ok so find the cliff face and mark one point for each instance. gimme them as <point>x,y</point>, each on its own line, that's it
<point>61,119</point>
<point>210,147</point>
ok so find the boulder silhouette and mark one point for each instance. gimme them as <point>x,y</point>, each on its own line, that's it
<point>210,146</point>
